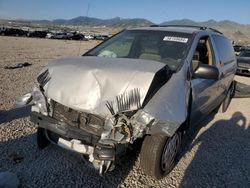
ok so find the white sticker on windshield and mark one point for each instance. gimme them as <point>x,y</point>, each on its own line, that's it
<point>175,39</point>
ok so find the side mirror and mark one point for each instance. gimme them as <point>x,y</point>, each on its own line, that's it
<point>207,72</point>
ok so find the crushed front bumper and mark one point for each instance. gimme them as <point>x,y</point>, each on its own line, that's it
<point>72,138</point>
<point>61,128</point>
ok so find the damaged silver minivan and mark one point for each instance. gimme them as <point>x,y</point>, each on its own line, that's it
<point>143,83</point>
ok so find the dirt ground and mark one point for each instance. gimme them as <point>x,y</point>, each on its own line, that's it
<point>215,154</point>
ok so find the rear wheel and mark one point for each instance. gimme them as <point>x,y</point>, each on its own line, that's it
<point>158,154</point>
<point>41,138</point>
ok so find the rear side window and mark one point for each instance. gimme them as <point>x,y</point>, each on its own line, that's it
<point>224,48</point>
<point>245,53</point>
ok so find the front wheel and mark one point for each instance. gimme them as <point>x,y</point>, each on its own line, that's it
<point>41,138</point>
<point>158,154</point>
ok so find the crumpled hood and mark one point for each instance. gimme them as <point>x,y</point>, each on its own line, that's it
<point>87,83</point>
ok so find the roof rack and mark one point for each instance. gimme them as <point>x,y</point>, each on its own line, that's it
<point>190,26</point>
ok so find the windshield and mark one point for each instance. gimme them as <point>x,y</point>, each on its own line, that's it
<point>167,47</point>
<point>245,53</point>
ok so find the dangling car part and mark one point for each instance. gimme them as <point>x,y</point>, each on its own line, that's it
<point>241,90</point>
<point>147,83</point>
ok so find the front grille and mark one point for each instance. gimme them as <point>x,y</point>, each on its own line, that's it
<point>88,122</point>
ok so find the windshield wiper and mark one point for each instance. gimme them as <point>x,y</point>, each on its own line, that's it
<point>88,55</point>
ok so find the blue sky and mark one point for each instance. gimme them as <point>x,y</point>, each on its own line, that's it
<point>156,11</point>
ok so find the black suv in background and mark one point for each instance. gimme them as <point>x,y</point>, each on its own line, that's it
<point>147,83</point>
<point>243,62</point>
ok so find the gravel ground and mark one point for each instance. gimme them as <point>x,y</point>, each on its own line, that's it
<point>216,154</point>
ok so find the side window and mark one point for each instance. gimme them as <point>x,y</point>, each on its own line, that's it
<point>224,48</point>
<point>203,53</point>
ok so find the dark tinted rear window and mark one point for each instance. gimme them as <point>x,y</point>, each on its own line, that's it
<point>224,48</point>
<point>245,53</point>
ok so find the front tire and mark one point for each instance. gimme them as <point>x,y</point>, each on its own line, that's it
<point>158,154</point>
<point>41,138</point>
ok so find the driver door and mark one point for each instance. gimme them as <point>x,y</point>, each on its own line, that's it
<point>204,91</point>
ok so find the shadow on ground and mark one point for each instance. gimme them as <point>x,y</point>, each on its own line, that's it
<point>53,166</point>
<point>56,167</point>
<point>223,155</point>
<point>221,160</point>
<point>15,113</point>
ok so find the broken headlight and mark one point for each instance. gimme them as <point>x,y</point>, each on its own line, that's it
<point>39,100</point>
<point>23,100</point>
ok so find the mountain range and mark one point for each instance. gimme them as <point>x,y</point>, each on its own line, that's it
<point>235,31</point>
<point>118,22</point>
<point>88,21</point>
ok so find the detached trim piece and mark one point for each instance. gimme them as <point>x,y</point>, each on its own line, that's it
<point>241,90</point>
<point>43,78</point>
<point>129,100</point>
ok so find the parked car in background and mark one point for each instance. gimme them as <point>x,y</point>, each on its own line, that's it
<point>63,35</point>
<point>148,83</point>
<point>13,32</point>
<point>78,36</point>
<point>2,30</point>
<point>101,37</point>
<point>37,34</point>
<point>243,62</point>
<point>49,35</point>
<point>88,36</point>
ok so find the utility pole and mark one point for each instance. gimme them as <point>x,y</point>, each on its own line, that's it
<point>87,14</point>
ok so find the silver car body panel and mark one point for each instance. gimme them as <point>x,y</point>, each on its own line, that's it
<point>88,83</point>
<point>169,104</point>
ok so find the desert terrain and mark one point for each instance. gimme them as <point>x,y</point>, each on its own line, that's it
<point>215,154</point>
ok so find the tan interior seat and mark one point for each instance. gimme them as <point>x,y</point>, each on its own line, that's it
<point>150,54</point>
<point>196,60</point>
<point>209,53</point>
